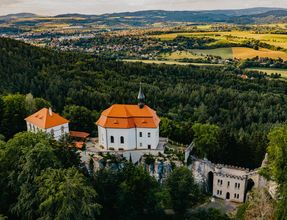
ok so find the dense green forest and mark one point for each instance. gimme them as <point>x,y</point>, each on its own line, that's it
<point>244,110</point>
<point>44,179</point>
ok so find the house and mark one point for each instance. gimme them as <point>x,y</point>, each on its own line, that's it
<point>79,138</point>
<point>49,122</point>
<point>129,127</point>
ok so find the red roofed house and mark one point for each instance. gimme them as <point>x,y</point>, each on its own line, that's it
<point>49,122</point>
<point>129,127</point>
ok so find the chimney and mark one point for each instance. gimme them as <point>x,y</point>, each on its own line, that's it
<point>50,112</point>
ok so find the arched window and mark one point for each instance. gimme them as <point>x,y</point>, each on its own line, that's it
<point>52,132</point>
<point>122,140</point>
<point>112,139</point>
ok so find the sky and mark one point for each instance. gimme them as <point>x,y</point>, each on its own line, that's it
<point>54,7</point>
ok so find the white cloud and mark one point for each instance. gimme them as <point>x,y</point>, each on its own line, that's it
<point>53,7</point>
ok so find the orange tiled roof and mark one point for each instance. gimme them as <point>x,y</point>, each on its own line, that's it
<point>43,119</point>
<point>128,116</point>
<point>79,144</point>
<point>79,134</point>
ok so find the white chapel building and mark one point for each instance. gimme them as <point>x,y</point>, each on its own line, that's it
<point>129,127</point>
<point>49,122</point>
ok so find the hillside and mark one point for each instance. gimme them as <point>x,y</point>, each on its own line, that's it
<point>244,109</point>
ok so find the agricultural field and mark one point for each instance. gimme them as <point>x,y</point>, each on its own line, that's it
<point>181,55</point>
<point>225,53</point>
<point>171,62</point>
<point>278,40</point>
<point>269,71</point>
<point>244,53</point>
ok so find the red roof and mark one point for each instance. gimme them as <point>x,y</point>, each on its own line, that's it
<point>79,134</point>
<point>79,144</point>
<point>128,116</point>
<point>43,119</point>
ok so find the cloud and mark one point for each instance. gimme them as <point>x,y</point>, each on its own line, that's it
<point>52,7</point>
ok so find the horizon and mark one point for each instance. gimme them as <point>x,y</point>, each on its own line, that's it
<point>98,14</point>
<point>99,7</point>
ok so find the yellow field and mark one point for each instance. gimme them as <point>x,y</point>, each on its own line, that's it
<point>244,53</point>
<point>233,36</point>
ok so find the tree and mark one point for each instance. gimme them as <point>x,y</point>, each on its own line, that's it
<point>260,206</point>
<point>23,159</point>
<point>65,194</point>
<point>206,139</point>
<point>277,169</point>
<point>182,189</point>
<point>81,118</point>
<point>130,193</point>
<point>209,214</point>
<point>14,112</point>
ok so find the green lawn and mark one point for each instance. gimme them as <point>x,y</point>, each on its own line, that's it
<point>225,53</point>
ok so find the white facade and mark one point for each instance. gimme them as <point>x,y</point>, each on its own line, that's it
<point>229,187</point>
<point>128,139</point>
<point>56,132</point>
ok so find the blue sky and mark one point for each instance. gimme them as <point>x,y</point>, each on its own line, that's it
<point>53,7</point>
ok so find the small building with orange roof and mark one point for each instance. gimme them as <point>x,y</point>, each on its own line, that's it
<point>49,122</point>
<point>129,127</point>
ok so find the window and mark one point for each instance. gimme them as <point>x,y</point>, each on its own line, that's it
<point>235,185</point>
<point>52,132</point>
<point>141,134</point>
<point>122,140</point>
<point>237,196</point>
<point>141,144</point>
<point>238,185</point>
<point>217,192</point>
<point>228,184</point>
<point>62,129</point>
<point>112,139</point>
<point>148,134</point>
<point>149,146</point>
<point>234,195</point>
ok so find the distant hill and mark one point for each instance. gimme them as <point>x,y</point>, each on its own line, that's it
<point>17,16</point>
<point>274,16</point>
<point>147,18</point>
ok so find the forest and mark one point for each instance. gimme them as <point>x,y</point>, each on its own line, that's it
<point>244,110</point>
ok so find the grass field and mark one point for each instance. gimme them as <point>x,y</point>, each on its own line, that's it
<point>180,55</point>
<point>172,62</point>
<point>225,53</point>
<point>269,71</point>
